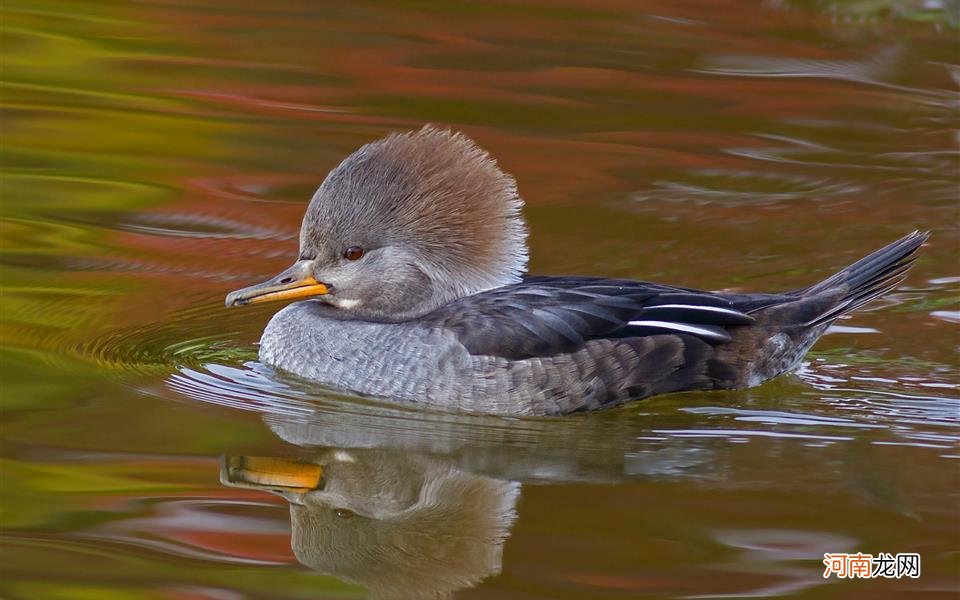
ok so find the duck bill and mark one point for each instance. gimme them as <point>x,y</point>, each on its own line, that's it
<point>295,282</point>
<point>270,474</point>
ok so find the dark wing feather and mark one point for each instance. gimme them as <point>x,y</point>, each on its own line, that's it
<point>546,316</point>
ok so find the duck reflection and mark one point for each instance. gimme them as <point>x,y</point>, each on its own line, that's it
<point>402,525</point>
<point>421,507</point>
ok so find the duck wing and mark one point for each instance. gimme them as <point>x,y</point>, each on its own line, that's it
<point>549,316</point>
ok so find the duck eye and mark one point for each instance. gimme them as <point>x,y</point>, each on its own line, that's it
<point>353,253</point>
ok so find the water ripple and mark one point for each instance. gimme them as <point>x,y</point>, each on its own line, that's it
<point>744,187</point>
<point>871,71</point>
<point>192,225</point>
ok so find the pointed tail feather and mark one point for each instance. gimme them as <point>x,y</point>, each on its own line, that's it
<point>868,278</point>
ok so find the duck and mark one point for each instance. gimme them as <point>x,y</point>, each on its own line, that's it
<point>402,525</point>
<point>411,285</point>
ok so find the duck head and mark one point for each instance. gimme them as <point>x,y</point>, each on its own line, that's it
<point>402,525</point>
<point>402,226</point>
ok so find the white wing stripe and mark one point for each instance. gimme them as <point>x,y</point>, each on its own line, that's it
<point>683,328</point>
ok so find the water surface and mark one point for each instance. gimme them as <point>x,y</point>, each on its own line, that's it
<point>159,154</point>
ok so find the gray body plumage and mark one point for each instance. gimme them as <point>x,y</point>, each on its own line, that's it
<point>425,364</point>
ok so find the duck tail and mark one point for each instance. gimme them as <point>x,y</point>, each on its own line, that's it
<point>866,279</point>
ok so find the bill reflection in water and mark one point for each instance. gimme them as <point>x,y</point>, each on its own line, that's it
<point>402,525</point>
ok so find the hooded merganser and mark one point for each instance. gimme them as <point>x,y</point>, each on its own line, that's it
<point>404,525</point>
<point>414,253</point>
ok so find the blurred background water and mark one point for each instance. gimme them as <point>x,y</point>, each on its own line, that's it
<point>159,154</point>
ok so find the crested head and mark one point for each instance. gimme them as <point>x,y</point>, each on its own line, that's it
<point>433,217</point>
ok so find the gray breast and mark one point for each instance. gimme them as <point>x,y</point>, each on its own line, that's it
<point>402,361</point>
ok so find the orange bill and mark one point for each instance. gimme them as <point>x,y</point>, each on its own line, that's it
<point>273,474</point>
<point>295,282</point>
